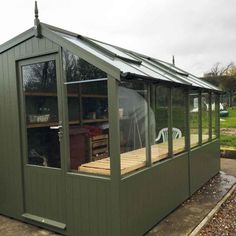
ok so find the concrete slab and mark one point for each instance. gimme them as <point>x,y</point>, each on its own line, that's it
<point>228,166</point>
<point>10,227</point>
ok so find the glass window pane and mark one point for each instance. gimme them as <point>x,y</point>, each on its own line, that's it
<point>213,115</point>
<point>87,102</point>
<point>194,117</point>
<point>159,122</point>
<point>205,117</point>
<point>133,118</point>
<point>179,119</point>
<point>41,104</point>
<point>217,115</point>
<point>78,69</point>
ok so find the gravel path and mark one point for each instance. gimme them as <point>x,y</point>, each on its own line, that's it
<point>228,131</point>
<point>223,222</point>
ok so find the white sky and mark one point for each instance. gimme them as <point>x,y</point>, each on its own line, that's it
<point>199,33</point>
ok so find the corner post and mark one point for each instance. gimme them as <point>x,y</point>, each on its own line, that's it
<point>114,133</point>
<point>170,123</point>
<point>188,136</point>
<point>217,111</point>
<point>210,116</point>
<point>147,126</point>
<point>200,117</point>
<point>187,126</point>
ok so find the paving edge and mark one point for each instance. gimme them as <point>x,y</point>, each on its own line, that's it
<point>212,212</point>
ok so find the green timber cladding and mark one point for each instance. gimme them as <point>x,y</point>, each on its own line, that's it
<point>83,203</point>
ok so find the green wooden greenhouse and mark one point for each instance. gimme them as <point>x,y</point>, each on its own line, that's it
<point>97,139</point>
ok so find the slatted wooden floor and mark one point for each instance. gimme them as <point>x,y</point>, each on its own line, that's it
<point>136,159</point>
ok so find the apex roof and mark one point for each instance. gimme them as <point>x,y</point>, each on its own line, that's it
<point>126,63</point>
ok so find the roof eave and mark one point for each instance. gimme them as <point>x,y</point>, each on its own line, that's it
<point>17,40</point>
<point>133,76</point>
<point>51,27</point>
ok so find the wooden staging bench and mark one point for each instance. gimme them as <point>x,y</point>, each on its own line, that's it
<point>135,159</point>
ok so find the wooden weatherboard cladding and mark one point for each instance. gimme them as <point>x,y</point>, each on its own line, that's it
<point>11,200</point>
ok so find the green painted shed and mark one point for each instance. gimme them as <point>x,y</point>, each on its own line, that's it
<point>97,139</point>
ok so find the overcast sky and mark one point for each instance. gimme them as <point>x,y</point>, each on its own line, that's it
<point>199,33</point>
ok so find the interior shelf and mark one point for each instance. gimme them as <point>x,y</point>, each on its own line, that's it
<point>87,121</point>
<point>74,122</point>
<point>40,125</point>
<point>83,100</point>
<point>94,120</point>
<point>93,96</point>
<point>42,94</point>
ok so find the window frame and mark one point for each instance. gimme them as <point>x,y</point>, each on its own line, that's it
<point>186,121</point>
<point>208,114</point>
<point>199,119</point>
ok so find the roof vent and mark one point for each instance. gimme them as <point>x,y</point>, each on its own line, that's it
<point>37,26</point>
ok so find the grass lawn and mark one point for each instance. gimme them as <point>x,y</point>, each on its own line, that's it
<point>228,141</point>
<point>230,121</point>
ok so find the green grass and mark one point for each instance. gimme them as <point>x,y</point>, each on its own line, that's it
<point>228,141</point>
<point>230,121</point>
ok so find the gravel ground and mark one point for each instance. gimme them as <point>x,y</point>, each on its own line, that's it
<point>228,131</point>
<point>224,221</point>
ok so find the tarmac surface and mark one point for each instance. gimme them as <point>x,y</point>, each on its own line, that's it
<point>181,221</point>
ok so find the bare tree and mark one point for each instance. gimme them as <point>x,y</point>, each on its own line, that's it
<point>219,70</point>
<point>223,77</point>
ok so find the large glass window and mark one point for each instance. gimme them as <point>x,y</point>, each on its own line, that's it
<point>178,119</point>
<point>133,125</point>
<point>87,103</point>
<point>205,117</point>
<point>159,122</point>
<point>194,117</point>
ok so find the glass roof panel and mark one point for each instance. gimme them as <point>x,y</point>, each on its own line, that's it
<point>112,49</point>
<point>128,61</point>
<point>144,69</point>
<point>193,79</point>
<point>124,67</point>
<point>167,74</point>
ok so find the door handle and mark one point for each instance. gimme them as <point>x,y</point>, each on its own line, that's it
<point>60,131</point>
<point>56,127</point>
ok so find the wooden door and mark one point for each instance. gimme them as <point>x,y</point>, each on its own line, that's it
<point>43,165</point>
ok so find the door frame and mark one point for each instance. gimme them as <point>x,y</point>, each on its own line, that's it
<point>55,56</point>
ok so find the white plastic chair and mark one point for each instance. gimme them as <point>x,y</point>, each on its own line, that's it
<point>163,133</point>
